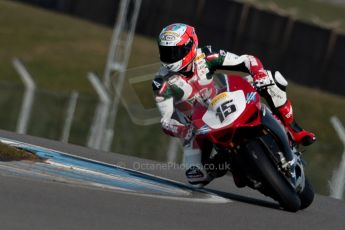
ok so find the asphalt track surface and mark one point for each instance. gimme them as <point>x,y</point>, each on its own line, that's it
<point>29,203</point>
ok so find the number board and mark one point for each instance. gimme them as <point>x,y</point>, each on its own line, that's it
<point>224,109</point>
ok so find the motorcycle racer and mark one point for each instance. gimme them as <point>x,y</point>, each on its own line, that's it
<point>186,77</point>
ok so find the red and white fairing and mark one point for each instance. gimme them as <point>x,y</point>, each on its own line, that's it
<point>237,106</point>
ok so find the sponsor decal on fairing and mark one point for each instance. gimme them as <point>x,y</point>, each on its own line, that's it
<point>250,97</point>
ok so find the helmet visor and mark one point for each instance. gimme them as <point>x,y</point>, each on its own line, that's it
<point>171,54</point>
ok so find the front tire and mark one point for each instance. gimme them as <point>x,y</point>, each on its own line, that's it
<point>272,180</point>
<point>307,195</point>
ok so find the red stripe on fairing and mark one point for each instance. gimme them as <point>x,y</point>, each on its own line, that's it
<point>164,88</point>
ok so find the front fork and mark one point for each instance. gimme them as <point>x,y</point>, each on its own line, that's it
<point>290,157</point>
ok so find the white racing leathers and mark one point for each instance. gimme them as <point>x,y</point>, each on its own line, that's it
<point>175,94</point>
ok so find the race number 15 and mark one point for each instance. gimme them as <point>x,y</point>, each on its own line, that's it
<point>225,109</point>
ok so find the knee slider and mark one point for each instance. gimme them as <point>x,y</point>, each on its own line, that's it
<point>277,92</point>
<point>280,81</point>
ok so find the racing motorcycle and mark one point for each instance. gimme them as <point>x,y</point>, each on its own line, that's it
<point>253,143</point>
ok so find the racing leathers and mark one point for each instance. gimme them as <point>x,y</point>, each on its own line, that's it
<point>176,92</point>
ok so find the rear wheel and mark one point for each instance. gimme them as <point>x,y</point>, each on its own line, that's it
<point>273,181</point>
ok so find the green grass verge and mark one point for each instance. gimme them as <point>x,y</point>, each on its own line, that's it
<point>59,50</point>
<point>9,153</point>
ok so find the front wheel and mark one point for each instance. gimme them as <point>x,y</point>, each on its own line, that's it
<point>271,179</point>
<point>307,195</point>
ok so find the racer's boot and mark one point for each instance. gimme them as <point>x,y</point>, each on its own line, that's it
<point>196,173</point>
<point>198,177</point>
<point>301,136</point>
<point>275,95</point>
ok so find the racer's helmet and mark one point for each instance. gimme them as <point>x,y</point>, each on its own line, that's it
<point>177,46</point>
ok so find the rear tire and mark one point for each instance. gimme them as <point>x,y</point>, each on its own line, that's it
<point>272,179</point>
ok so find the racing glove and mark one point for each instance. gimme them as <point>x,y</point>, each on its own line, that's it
<point>262,80</point>
<point>260,76</point>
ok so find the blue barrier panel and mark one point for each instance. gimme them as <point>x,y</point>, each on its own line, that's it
<point>103,12</point>
<point>149,13</point>
<point>218,23</point>
<point>334,78</point>
<point>305,53</point>
<point>299,55</point>
<point>154,15</point>
<point>263,36</point>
